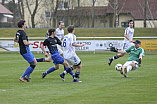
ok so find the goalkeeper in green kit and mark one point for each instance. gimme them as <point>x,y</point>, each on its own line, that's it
<point>134,60</point>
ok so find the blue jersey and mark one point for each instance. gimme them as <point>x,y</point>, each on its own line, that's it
<point>52,44</point>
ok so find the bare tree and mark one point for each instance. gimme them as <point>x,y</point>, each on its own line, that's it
<point>3,2</point>
<point>78,14</point>
<point>34,11</point>
<point>55,13</point>
<point>21,8</point>
<point>14,13</point>
<point>93,12</point>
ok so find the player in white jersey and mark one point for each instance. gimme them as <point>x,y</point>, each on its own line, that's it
<point>69,44</point>
<point>128,41</point>
<point>60,36</point>
<point>128,36</point>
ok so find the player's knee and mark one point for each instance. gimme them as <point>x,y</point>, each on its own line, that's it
<point>56,67</point>
<point>32,64</point>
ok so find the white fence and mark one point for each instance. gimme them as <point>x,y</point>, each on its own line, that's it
<point>7,44</point>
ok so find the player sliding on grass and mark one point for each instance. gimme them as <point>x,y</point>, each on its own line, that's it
<point>22,39</point>
<point>51,43</point>
<point>69,44</point>
<point>134,60</point>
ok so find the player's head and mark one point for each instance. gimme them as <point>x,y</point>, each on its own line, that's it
<point>137,43</point>
<point>131,23</point>
<point>21,24</point>
<point>52,31</point>
<point>61,24</point>
<point>71,29</point>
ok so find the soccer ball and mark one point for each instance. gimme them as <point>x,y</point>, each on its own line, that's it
<point>118,67</point>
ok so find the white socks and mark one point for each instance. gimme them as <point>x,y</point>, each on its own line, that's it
<point>129,68</point>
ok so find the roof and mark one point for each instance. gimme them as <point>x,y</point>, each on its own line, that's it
<point>135,8</point>
<point>4,10</point>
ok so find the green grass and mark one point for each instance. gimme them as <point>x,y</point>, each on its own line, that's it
<point>101,84</point>
<point>82,32</point>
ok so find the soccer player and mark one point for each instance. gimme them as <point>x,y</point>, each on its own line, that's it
<point>135,57</point>
<point>51,43</point>
<point>128,36</point>
<point>128,39</point>
<point>22,38</point>
<point>60,36</point>
<point>69,44</point>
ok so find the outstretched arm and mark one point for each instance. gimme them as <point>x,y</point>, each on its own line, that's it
<point>78,45</point>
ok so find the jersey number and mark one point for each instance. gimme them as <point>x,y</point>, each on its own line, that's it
<point>64,43</point>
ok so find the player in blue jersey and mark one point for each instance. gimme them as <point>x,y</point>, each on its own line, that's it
<point>51,43</point>
<point>22,38</point>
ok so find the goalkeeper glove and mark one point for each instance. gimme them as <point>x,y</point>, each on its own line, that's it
<point>140,62</point>
<point>113,49</point>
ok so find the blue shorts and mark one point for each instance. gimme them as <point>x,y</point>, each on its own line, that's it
<point>28,56</point>
<point>57,59</point>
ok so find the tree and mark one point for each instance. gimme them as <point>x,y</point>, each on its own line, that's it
<point>78,14</point>
<point>33,13</point>
<point>93,13</point>
<point>55,13</point>
<point>21,8</point>
<point>3,2</point>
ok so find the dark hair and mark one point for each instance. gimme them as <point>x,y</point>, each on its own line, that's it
<point>60,22</point>
<point>20,23</point>
<point>130,21</point>
<point>70,28</point>
<point>50,31</point>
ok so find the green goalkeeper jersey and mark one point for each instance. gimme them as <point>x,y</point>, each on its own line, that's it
<point>134,53</point>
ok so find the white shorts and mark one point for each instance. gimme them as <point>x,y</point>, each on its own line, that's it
<point>129,62</point>
<point>74,60</point>
<point>59,49</point>
<point>127,45</point>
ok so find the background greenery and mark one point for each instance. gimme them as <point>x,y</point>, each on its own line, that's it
<point>102,84</point>
<point>83,32</point>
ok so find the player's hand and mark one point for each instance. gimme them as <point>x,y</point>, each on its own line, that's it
<point>46,54</point>
<point>131,41</point>
<point>113,49</point>
<point>140,61</point>
<point>31,43</point>
<point>83,44</point>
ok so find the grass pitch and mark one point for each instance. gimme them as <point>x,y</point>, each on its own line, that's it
<point>102,84</point>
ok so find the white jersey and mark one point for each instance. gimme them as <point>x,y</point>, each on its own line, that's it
<point>130,32</point>
<point>59,34</point>
<point>68,49</point>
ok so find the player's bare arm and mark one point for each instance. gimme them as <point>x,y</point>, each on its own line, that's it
<point>78,45</point>
<point>27,43</point>
<point>126,36</point>
<point>15,39</point>
<point>42,48</point>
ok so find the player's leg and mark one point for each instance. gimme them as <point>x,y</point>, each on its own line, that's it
<point>45,59</point>
<point>115,57</point>
<point>67,69</point>
<point>77,73</point>
<point>32,61</point>
<point>57,59</point>
<point>61,53</point>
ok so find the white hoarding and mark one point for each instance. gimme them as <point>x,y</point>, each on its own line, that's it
<point>92,45</point>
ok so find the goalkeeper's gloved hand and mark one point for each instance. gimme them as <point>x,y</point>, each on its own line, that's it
<point>139,62</point>
<point>113,49</point>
